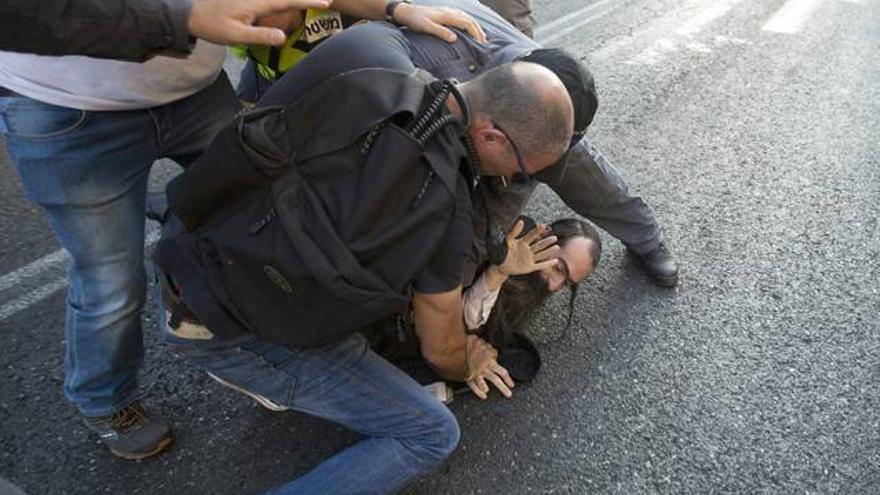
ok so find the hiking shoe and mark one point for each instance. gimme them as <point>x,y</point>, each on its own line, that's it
<point>268,404</point>
<point>660,265</point>
<point>133,432</point>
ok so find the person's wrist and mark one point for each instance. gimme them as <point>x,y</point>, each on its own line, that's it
<point>501,271</point>
<point>468,370</point>
<point>394,9</point>
<point>495,277</point>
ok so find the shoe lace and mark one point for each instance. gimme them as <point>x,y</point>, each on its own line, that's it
<point>664,250</point>
<point>127,418</point>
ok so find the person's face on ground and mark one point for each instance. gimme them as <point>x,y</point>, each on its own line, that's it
<point>575,264</point>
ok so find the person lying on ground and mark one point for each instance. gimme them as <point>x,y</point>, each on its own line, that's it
<point>505,297</point>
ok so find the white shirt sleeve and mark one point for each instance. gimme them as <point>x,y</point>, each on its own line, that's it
<point>478,301</point>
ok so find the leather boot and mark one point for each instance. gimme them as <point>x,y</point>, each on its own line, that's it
<point>660,265</point>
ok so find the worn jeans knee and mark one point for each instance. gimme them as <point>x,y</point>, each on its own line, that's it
<point>439,439</point>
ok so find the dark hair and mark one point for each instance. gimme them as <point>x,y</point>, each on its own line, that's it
<point>522,295</point>
<point>567,228</point>
<point>510,99</point>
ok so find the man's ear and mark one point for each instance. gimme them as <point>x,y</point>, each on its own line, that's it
<point>485,132</point>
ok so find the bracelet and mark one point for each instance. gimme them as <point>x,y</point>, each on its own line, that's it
<point>391,6</point>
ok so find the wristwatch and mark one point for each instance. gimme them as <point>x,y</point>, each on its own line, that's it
<point>391,6</point>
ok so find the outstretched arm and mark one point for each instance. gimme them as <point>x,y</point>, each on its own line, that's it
<point>525,254</point>
<point>134,30</point>
<point>453,354</point>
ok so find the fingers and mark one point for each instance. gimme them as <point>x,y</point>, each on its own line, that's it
<point>466,23</point>
<point>433,21</point>
<point>459,20</point>
<point>544,243</point>
<point>438,31</point>
<point>478,387</point>
<point>266,7</point>
<point>230,21</point>
<point>255,35</point>
<point>516,230</point>
<point>500,385</point>
<point>550,252</point>
<point>502,372</point>
<point>534,233</point>
<point>498,376</point>
<point>546,264</point>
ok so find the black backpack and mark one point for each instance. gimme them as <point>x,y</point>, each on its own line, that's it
<point>304,223</point>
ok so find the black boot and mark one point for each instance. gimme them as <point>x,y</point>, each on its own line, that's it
<point>660,265</point>
<point>133,432</point>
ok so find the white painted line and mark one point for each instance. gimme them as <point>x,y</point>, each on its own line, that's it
<point>704,17</point>
<point>31,298</point>
<point>699,16</point>
<point>54,260</point>
<point>48,262</point>
<point>550,38</point>
<point>566,20</point>
<point>791,16</point>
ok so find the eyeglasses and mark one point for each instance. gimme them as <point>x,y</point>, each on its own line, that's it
<point>562,265</point>
<point>523,177</point>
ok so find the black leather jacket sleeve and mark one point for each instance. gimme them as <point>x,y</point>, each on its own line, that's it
<point>132,30</point>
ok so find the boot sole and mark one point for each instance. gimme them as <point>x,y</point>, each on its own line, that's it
<point>664,281</point>
<point>130,456</point>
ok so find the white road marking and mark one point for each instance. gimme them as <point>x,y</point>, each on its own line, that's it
<point>31,298</point>
<point>680,35</point>
<point>791,16</point>
<point>50,262</point>
<point>567,24</point>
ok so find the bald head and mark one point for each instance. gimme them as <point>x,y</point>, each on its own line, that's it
<point>530,104</point>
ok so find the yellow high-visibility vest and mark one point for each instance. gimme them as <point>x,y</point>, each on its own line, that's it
<point>273,61</point>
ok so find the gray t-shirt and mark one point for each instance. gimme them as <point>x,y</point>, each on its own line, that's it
<point>88,83</point>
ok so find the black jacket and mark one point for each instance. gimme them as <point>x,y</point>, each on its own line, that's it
<point>304,230</point>
<point>131,30</point>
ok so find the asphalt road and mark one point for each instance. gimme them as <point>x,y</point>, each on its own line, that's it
<point>753,128</point>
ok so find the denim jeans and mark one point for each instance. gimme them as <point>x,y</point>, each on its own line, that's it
<point>407,431</point>
<point>89,171</point>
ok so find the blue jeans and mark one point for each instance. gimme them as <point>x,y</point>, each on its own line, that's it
<point>408,432</point>
<point>89,171</point>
